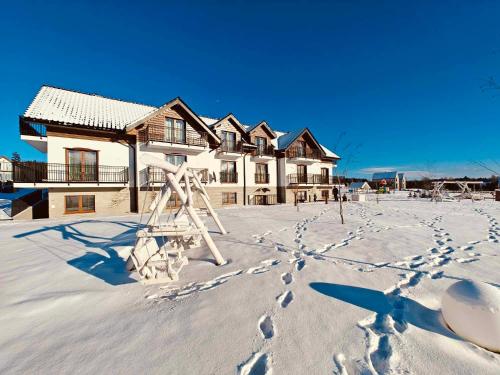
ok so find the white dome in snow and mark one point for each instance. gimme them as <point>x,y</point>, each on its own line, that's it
<point>472,310</point>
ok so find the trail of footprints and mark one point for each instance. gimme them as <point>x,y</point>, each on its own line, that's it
<point>260,362</point>
<point>382,329</point>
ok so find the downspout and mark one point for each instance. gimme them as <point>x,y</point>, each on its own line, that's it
<point>244,180</point>
<point>134,167</point>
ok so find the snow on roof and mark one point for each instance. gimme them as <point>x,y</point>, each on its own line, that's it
<point>72,107</point>
<point>287,138</point>
<point>391,175</point>
<point>209,120</point>
<point>75,108</point>
<point>329,153</point>
<point>358,185</point>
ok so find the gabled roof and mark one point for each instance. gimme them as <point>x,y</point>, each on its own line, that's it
<point>401,175</point>
<point>75,108</point>
<point>265,125</point>
<point>231,118</point>
<point>177,101</point>
<point>328,153</point>
<point>391,175</point>
<point>358,185</point>
<point>287,139</point>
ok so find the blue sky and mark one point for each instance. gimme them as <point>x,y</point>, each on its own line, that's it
<point>385,84</point>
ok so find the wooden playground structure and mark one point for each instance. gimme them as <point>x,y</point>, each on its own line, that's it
<point>184,230</point>
<point>440,193</point>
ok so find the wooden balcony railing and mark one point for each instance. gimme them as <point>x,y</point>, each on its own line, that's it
<point>264,151</point>
<point>310,179</point>
<point>31,128</point>
<point>37,172</point>
<point>299,152</point>
<point>228,177</point>
<point>262,178</point>
<point>226,146</point>
<point>178,136</point>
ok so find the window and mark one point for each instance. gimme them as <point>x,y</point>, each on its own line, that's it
<point>261,143</point>
<point>176,159</point>
<point>301,148</point>
<point>174,200</point>
<point>228,140</point>
<point>81,165</point>
<point>324,194</point>
<point>301,196</point>
<point>324,175</point>
<point>175,131</point>
<point>261,176</point>
<point>302,174</point>
<point>229,198</point>
<point>79,204</point>
<point>228,171</point>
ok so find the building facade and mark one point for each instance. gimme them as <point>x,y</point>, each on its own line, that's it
<point>393,179</point>
<point>94,149</point>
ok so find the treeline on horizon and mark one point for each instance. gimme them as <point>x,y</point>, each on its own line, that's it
<point>489,183</point>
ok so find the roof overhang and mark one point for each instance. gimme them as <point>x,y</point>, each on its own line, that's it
<point>233,120</point>
<point>308,132</point>
<point>174,102</point>
<point>264,125</point>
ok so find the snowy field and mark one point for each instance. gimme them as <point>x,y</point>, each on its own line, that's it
<point>301,294</point>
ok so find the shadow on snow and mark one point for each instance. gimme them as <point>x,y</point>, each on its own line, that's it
<point>415,313</point>
<point>110,267</point>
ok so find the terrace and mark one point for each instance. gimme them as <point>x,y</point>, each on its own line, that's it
<point>26,174</point>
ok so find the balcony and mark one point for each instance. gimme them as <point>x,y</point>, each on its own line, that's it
<point>229,149</point>
<point>301,155</point>
<point>228,177</point>
<point>309,179</point>
<point>35,134</point>
<point>262,178</point>
<point>186,141</point>
<point>33,173</point>
<point>263,153</point>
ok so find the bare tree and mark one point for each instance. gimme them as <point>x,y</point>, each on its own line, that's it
<point>349,159</point>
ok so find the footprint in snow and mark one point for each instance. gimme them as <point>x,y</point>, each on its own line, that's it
<point>257,364</point>
<point>285,299</point>
<point>300,264</point>
<point>266,327</point>
<point>287,278</point>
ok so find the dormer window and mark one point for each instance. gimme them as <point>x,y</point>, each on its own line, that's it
<point>301,148</point>
<point>175,130</point>
<point>261,143</point>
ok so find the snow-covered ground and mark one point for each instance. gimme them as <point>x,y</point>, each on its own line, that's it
<point>301,293</point>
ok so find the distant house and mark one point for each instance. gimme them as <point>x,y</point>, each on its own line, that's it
<point>359,186</point>
<point>5,169</point>
<point>395,180</point>
<point>402,181</point>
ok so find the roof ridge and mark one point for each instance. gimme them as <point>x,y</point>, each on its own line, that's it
<point>97,95</point>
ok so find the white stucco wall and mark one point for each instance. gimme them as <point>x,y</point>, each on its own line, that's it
<point>110,153</point>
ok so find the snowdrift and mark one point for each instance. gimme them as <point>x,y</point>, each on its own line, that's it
<point>472,310</point>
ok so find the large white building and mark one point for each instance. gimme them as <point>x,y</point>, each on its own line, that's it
<point>94,147</point>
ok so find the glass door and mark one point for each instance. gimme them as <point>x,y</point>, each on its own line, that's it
<point>324,175</point>
<point>261,144</point>
<point>82,165</point>
<point>302,174</point>
<point>228,141</point>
